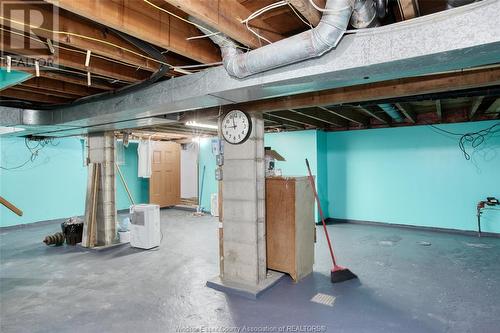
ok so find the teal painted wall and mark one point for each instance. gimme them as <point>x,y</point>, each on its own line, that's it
<point>322,171</point>
<point>295,147</point>
<point>54,185</point>
<point>210,185</point>
<point>413,175</point>
<point>139,187</point>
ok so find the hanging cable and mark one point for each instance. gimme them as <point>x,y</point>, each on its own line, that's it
<point>34,151</point>
<point>199,26</point>
<point>323,10</point>
<point>300,16</point>
<point>475,139</point>
<point>260,12</point>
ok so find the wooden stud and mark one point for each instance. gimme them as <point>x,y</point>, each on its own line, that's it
<point>439,110</point>
<point>147,23</point>
<point>226,16</point>
<point>409,114</point>
<point>11,206</point>
<point>476,102</point>
<point>311,14</point>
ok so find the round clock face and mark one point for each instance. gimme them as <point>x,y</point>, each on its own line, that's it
<point>236,127</point>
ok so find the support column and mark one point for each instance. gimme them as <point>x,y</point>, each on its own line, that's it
<point>244,240</point>
<point>102,152</point>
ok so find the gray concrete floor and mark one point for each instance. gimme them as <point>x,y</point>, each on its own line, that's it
<point>450,286</point>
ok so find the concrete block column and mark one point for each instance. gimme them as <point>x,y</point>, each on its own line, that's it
<point>102,150</point>
<point>244,209</point>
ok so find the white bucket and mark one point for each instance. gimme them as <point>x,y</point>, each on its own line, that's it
<point>124,236</point>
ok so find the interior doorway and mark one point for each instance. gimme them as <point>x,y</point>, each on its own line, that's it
<point>165,185</point>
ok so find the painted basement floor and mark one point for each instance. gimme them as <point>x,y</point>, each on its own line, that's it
<point>450,286</point>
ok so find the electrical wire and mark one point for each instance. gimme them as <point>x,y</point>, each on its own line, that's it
<point>475,139</point>
<point>260,12</point>
<point>300,16</point>
<point>110,43</point>
<point>112,80</point>
<point>204,36</point>
<point>323,10</point>
<point>199,26</point>
<point>69,49</point>
<point>34,151</point>
<point>57,32</point>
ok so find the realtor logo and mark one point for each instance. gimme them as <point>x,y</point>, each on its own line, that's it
<point>28,35</point>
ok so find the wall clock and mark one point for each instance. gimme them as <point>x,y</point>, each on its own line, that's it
<point>236,127</point>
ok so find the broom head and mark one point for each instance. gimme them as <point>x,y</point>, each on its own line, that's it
<point>340,274</point>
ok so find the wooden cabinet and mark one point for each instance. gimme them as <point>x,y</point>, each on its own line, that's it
<point>290,225</point>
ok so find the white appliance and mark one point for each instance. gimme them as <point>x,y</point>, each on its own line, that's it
<point>145,226</point>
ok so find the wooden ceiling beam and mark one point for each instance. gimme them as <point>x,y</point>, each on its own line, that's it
<point>284,121</point>
<point>439,110</point>
<point>476,103</point>
<point>380,90</point>
<point>300,118</point>
<point>31,96</point>
<point>304,7</point>
<point>407,112</point>
<point>327,117</point>
<point>77,80</point>
<point>147,23</point>
<point>379,114</point>
<point>348,115</point>
<point>226,16</point>
<point>76,60</point>
<point>44,92</point>
<point>494,107</point>
<point>60,87</point>
<point>408,9</point>
<point>96,39</point>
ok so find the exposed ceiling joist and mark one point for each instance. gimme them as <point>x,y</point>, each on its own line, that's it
<point>494,107</point>
<point>81,81</point>
<point>225,16</point>
<point>327,117</point>
<point>45,91</point>
<point>377,114</point>
<point>84,35</point>
<point>147,23</point>
<point>304,7</point>
<point>439,110</point>
<point>409,114</point>
<point>408,9</point>
<point>284,121</point>
<point>60,86</point>
<point>476,102</point>
<point>31,96</point>
<point>347,114</point>
<point>299,118</point>
<point>381,90</point>
<point>73,59</point>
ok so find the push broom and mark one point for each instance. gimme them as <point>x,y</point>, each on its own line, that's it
<point>338,273</point>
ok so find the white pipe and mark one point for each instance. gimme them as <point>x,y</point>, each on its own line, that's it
<point>308,44</point>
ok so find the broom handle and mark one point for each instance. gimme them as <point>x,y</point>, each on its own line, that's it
<point>311,180</point>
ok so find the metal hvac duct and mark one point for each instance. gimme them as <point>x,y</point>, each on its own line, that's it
<point>392,111</point>
<point>308,44</point>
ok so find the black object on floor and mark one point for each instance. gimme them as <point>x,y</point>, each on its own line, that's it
<point>341,275</point>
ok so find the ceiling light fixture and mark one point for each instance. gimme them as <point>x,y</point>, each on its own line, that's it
<point>193,123</point>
